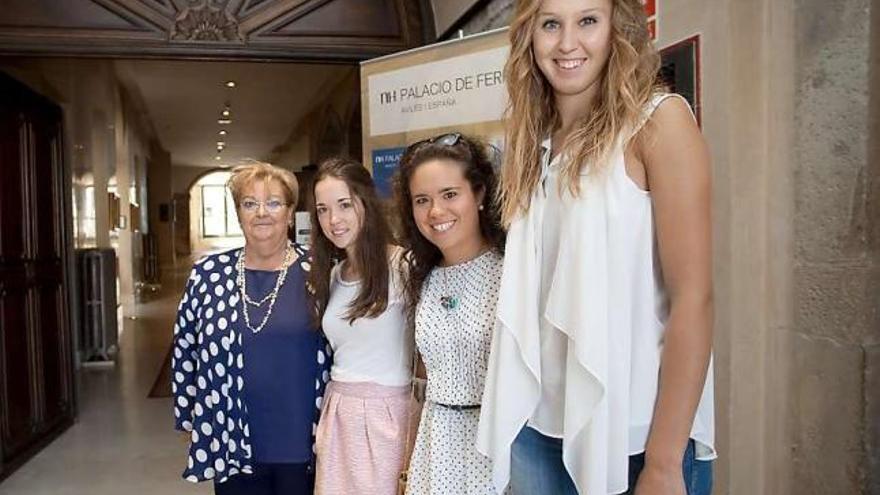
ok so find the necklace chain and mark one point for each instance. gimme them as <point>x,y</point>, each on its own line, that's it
<point>241,280</point>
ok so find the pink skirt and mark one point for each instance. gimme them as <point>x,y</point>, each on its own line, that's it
<point>360,442</point>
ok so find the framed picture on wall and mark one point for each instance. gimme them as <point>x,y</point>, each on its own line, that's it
<point>680,71</point>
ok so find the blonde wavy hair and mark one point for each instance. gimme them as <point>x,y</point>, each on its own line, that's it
<point>629,80</point>
<point>250,171</point>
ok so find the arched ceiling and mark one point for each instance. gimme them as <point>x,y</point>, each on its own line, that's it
<point>326,30</point>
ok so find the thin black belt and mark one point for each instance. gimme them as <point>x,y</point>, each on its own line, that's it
<point>458,407</point>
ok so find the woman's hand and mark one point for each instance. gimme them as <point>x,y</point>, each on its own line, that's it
<point>655,480</point>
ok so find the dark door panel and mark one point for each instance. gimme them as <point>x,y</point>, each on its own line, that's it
<point>13,134</point>
<point>36,373</point>
<point>18,412</point>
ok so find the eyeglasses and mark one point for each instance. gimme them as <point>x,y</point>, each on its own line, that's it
<point>449,139</point>
<point>271,205</point>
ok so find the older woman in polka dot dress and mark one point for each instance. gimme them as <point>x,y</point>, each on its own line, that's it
<point>249,366</point>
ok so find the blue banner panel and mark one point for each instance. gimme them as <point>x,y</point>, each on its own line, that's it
<point>384,165</point>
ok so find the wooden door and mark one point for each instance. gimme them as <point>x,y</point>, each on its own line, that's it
<point>36,374</point>
<point>17,364</point>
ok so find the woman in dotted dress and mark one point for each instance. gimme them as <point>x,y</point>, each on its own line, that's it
<point>358,302</point>
<point>444,190</point>
<point>248,363</point>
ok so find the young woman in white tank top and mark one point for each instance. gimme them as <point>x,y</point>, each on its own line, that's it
<point>360,442</point>
<point>599,377</point>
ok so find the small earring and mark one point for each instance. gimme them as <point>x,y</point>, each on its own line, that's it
<point>481,208</point>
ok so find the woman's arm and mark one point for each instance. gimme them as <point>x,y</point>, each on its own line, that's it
<point>676,162</point>
<point>184,357</point>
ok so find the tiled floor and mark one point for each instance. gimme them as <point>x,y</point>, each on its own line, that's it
<point>122,442</point>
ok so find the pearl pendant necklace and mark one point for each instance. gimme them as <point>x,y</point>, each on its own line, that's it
<point>241,280</point>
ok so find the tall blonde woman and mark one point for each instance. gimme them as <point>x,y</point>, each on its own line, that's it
<point>359,303</point>
<point>248,362</point>
<point>600,373</point>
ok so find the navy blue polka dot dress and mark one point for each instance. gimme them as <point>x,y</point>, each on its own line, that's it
<point>208,365</point>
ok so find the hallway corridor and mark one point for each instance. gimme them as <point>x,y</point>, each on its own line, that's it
<point>122,441</point>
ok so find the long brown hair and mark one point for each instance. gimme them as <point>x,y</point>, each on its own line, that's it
<point>420,255</point>
<point>628,82</point>
<point>371,245</point>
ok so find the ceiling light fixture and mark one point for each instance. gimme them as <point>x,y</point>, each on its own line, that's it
<point>222,132</point>
<point>217,157</point>
<point>230,84</point>
<point>225,115</point>
<point>221,143</point>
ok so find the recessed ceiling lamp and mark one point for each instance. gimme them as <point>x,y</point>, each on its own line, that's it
<point>222,132</point>
<point>217,157</point>
<point>230,84</point>
<point>221,144</point>
<point>225,115</point>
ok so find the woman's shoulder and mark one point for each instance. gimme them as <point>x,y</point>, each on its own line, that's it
<point>666,116</point>
<point>301,249</point>
<point>212,261</point>
<point>302,256</point>
<point>665,108</point>
<point>493,260</point>
<point>671,105</point>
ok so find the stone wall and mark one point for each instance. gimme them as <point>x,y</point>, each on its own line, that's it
<point>836,268</point>
<point>872,348</point>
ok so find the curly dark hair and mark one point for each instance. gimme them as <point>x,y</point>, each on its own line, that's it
<point>420,255</point>
<point>371,244</point>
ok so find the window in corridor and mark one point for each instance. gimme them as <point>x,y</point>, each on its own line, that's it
<point>218,212</point>
<point>213,222</point>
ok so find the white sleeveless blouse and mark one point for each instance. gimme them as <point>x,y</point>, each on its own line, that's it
<point>607,297</point>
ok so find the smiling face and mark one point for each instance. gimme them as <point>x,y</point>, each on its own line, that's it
<point>339,212</point>
<point>259,224</point>
<point>571,44</point>
<point>446,209</point>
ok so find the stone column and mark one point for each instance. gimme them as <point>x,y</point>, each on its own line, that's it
<point>836,270</point>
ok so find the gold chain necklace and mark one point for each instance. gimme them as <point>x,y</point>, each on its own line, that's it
<point>241,280</point>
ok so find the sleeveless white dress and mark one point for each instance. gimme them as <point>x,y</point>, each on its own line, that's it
<point>454,345</point>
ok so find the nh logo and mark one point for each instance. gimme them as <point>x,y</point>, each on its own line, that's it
<point>387,97</point>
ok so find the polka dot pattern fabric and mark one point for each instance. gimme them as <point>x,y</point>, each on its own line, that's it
<point>454,341</point>
<point>207,379</point>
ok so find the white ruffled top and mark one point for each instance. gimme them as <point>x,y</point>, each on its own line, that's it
<point>608,299</point>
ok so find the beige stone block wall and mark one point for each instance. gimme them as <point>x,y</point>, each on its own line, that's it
<point>836,270</point>
<point>872,349</point>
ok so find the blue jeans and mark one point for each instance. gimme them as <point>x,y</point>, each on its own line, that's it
<point>536,468</point>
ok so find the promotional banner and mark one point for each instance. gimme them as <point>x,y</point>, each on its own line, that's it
<point>454,86</point>
<point>459,90</point>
